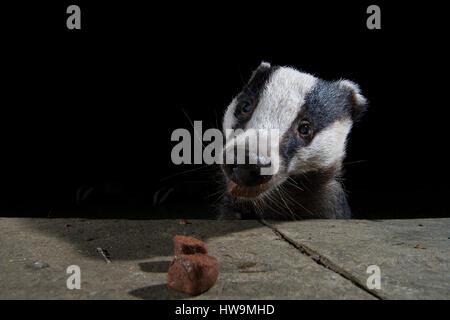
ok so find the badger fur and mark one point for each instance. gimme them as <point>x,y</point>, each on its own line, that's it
<point>314,118</point>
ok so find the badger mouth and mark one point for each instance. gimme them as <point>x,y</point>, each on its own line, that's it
<point>238,191</point>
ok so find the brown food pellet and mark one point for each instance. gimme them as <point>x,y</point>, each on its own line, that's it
<point>193,273</point>
<point>192,270</point>
<point>188,245</point>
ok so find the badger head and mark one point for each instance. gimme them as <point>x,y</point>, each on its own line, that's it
<point>312,118</point>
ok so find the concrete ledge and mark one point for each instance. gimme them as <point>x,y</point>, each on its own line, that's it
<point>257,261</point>
<point>413,255</point>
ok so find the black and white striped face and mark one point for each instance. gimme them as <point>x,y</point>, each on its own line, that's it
<point>313,118</point>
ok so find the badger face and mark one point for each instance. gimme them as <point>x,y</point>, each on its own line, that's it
<point>311,116</point>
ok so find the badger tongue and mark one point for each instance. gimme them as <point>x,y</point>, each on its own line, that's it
<point>236,190</point>
<point>233,189</point>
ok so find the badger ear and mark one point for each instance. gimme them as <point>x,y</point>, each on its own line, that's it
<point>263,67</point>
<point>358,101</point>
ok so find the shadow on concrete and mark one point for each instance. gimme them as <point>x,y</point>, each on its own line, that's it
<point>132,239</point>
<point>155,266</point>
<point>158,292</point>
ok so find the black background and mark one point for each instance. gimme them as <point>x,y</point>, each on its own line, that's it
<point>96,107</point>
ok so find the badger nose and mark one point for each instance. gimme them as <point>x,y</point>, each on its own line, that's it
<point>248,175</point>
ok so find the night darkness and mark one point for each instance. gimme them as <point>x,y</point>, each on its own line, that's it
<point>94,109</point>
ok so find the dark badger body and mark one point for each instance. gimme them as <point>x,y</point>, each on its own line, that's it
<point>313,117</point>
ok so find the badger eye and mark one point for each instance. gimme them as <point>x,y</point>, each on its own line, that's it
<point>304,129</point>
<point>246,108</point>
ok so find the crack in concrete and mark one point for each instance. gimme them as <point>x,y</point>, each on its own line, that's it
<point>322,261</point>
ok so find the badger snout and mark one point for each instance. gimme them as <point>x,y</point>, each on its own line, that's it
<point>247,175</point>
<point>251,161</point>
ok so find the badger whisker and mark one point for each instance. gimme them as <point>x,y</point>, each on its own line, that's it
<point>281,191</point>
<point>295,186</point>
<point>280,209</point>
<point>186,171</point>
<point>298,203</point>
<point>354,162</point>
<point>192,125</point>
<point>284,201</point>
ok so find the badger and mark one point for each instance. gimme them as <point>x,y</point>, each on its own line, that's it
<point>313,118</point>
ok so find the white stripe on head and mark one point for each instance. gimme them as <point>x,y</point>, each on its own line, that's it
<point>281,100</point>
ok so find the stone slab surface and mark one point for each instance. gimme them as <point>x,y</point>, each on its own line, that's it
<point>255,262</point>
<point>413,255</point>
